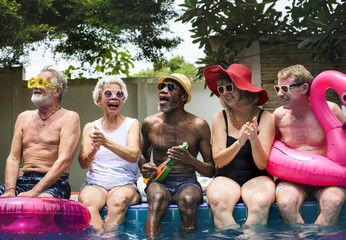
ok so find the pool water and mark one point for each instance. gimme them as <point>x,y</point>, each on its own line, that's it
<point>133,228</point>
<point>274,230</point>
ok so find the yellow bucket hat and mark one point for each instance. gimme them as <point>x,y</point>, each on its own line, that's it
<point>182,80</point>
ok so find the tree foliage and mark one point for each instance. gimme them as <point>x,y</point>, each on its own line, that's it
<point>174,65</point>
<point>317,25</point>
<point>92,32</point>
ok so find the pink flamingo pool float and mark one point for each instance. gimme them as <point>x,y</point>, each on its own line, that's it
<point>309,168</point>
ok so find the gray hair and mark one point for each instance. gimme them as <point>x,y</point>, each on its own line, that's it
<point>60,79</point>
<point>105,81</point>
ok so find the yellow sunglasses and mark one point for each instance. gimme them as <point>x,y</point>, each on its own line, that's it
<point>39,82</point>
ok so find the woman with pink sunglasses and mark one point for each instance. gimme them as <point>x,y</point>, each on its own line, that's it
<point>109,149</point>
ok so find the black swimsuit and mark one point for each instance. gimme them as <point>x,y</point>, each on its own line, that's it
<point>242,168</point>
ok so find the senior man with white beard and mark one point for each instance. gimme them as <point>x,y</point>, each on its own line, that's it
<point>46,139</point>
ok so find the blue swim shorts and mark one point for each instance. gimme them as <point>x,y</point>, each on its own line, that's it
<point>175,183</point>
<point>60,189</point>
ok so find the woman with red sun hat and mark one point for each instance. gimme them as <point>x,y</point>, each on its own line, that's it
<point>242,136</point>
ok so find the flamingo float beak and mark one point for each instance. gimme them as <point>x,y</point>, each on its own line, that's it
<point>344,126</point>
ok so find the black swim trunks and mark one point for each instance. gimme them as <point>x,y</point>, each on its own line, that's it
<point>175,183</point>
<point>60,189</point>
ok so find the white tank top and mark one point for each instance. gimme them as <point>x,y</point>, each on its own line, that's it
<point>108,169</point>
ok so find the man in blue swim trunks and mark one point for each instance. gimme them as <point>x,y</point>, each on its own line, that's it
<point>298,126</point>
<point>46,139</point>
<point>163,133</point>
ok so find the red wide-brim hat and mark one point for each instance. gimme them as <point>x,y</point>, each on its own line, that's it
<point>240,76</point>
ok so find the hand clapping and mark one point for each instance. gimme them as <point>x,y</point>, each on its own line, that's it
<point>97,138</point>
<point>249,131</point>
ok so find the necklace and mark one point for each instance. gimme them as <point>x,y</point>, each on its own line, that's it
<point>44,119</point>
<point>237,125</point>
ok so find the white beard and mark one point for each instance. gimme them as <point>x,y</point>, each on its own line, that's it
<point>171,107</point>
<point>41,101</point>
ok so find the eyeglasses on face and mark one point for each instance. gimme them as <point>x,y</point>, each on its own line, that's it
<point>286,88</point>
<point>170,86</point>
<point>39,82</point>
<point>108,94</point>
<point>226,88</point>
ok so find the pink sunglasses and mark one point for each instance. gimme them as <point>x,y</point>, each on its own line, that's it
<point>108,94</point>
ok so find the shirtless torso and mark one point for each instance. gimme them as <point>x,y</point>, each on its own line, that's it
<point>41,144</point>
<point>164,134</point>
<point>46,149</point>
<point>303,132</point>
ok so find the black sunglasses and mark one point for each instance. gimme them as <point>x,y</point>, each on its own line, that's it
<point>170,86</point>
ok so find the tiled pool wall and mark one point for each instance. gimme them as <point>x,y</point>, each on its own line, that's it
<point>138,213</point>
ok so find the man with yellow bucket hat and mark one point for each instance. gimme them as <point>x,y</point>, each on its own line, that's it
<point>163,135</point>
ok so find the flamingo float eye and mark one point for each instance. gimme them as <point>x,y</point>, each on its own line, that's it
<point>344,97</point>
